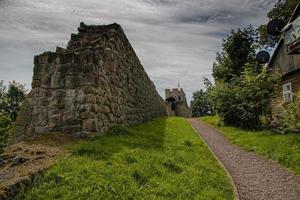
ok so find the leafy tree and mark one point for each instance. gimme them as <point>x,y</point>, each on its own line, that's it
<point>201,104</point>
<point>5,125</point>
<point>283,9</point>
<point>11,99</point>
<point>243,101</point>
<point>237,49</point>
<point>2,88</point>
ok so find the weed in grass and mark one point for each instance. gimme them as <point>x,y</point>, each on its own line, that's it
<point>129,159</point>
<point>139,178</point>
<point>188,143</point>
<point>172,167</point>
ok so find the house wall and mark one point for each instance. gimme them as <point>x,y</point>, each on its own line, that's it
<point>277,102</point>
<point>285,63</point>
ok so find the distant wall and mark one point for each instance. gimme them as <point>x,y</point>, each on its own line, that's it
<point>181,107</point>
<point>182,110</point>
<point>98,81</point>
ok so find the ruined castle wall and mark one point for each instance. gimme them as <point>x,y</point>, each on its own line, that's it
<point>182,110</point>
<point>97,82</point>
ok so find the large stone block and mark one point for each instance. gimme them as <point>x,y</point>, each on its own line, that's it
<point>90,125</point>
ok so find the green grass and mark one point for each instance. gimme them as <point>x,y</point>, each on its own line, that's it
<point>161,159</point>
<point>284,149</point>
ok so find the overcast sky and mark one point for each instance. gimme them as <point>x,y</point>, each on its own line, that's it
<point>176,40</point>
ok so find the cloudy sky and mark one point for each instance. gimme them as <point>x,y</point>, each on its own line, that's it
<point>176,40</point>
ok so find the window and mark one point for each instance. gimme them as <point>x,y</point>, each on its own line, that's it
<point>287,92</point>
<point>179,98</point>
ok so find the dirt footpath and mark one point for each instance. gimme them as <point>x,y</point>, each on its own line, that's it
<point>255,177</point>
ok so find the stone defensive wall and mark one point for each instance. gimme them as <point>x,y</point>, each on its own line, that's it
<point>93,84</point>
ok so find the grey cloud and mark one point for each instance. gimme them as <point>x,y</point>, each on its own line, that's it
<point>175,40</point>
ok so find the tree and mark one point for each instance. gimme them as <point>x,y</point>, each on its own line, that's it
<point>200,104</point>
<point>2,88</point>
<point>12,99</point>
<point>246,98</point>
<point>283,10</point>
<point>237,49</point>
<point>5,125</point>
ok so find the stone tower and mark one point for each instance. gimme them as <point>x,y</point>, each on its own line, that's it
<point>93,84</point>
<point>176,103</point>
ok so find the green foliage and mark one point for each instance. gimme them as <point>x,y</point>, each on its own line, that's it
<point>201,104</point>
<point>12,99</point>
<point>283,149</point>
<point>245,99</point>
<point>2,88</point>
<point>290,119</point>
<point>283,9</point>
<point>237,49</point>
<point>5,125</point>
<point>152,162</point>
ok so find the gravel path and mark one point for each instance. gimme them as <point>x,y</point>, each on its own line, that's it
<point>255,177</point>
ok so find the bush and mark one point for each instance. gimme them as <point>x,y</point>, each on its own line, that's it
<point>201,104</point>
<point>289,122</point>
<point>11,99</point>
<point>245,99</point>
<point>5,125</point>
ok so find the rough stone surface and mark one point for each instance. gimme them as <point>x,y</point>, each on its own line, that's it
<point>25,160</point>
<point>96,82</point>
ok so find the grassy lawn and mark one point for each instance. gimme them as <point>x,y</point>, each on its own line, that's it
<point>161,159</point>
<point>284,149</point>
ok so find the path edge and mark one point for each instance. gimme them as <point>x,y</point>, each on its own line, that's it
<point>235,191</point>
<point>257,154</point>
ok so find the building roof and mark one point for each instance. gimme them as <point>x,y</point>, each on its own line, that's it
<point>296,13</point>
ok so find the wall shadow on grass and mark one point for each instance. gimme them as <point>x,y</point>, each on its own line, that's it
<point>149,135</point>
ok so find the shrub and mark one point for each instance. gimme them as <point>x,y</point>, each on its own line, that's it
<point>11,99</point>
<point>245,99</point>
<point>188,143</point>
<point>5,125</point>
<point>289,122</point>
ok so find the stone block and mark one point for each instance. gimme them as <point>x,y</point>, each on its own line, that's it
<point>104,109</point>
<point>90,125</point>
<point>40,119</point>
<point>87,115</point>
<point>57,80</point>
<point>55,120</point>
